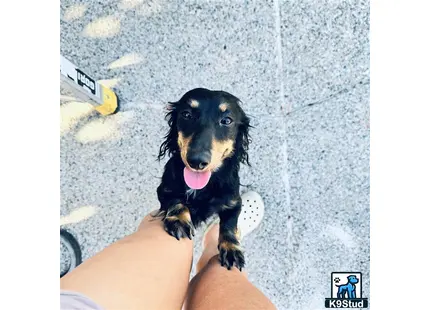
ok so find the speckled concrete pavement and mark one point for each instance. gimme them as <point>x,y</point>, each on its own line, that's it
<point>302,70</point>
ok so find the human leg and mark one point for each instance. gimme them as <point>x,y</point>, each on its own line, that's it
<point>216,288</point>
<point>145,270</point>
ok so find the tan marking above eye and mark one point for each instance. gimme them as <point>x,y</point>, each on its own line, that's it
<point>223,107</point>
<point>194,103</point>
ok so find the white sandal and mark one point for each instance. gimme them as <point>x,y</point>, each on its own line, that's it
<point>252,213</point>
<point>250,217</point>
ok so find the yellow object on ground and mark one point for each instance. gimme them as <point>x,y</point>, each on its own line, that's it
<point>86,88</point>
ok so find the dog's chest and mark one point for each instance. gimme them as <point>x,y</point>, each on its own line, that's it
<point>190,193</point>
<point>198,198</point>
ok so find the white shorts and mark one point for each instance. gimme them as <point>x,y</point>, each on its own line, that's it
<point>76,301</point>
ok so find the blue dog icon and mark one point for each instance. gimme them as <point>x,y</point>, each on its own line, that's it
<point>347,288</point>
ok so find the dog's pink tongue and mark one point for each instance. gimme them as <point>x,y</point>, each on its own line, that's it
<point>196,180</point>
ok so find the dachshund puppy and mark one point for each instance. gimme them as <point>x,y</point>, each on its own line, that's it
<point>207,141</point>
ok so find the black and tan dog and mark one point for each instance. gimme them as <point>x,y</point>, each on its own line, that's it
<point>207,141</point>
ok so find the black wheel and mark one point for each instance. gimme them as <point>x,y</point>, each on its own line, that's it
<point>73,249</point>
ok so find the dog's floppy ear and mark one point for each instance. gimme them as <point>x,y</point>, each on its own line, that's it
<point>170,143</point>
<point>243,139</point>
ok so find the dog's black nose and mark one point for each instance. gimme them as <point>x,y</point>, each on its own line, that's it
<point>199,161</point>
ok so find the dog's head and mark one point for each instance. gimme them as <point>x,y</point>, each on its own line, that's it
<point>352,279</point>
<point>206,128</point>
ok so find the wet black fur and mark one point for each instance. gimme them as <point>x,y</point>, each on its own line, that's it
<point>223,187</point>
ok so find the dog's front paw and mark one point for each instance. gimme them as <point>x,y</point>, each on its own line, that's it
<point>179,229</point>
<point>177,222</point>
<point>230,254</point>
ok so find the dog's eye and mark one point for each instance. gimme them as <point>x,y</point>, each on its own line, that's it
<point>186,114</point>
<point>226,121</point>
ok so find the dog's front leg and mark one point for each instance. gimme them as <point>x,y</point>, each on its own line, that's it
<point>230,252</point>
<point>177,221</point>
<point>175,215</point>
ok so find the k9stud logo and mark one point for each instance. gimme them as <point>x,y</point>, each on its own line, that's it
<point>346,291</point>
